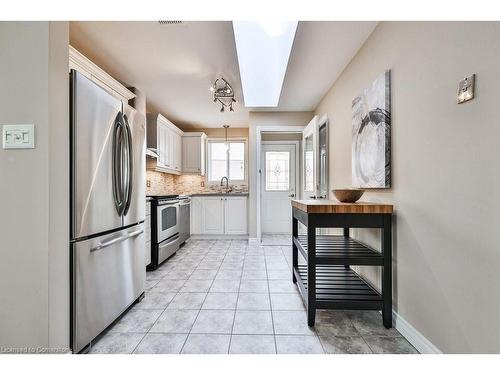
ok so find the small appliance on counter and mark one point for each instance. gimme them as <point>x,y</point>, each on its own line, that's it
<point>169,226</point>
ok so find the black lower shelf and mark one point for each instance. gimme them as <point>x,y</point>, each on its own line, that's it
<point>340,250</point>
<point>338,287</point>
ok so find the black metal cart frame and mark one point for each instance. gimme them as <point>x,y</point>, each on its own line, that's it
<point>327,281</point>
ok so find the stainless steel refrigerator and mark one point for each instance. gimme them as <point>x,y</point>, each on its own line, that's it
<point>107,209</point>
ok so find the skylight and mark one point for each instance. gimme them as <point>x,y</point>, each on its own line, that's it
<point>263,51</point>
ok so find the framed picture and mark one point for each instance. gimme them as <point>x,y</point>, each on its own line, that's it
<point>371,135</point>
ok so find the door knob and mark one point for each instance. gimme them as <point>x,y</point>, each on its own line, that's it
<point>292,195</point>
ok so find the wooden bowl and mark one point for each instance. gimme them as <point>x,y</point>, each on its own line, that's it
<point>348,195</point>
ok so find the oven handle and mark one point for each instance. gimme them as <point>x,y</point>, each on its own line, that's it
<point>102,245</point>
<point>169,203</point>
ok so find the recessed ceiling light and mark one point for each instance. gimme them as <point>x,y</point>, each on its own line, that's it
<point>263,50</point>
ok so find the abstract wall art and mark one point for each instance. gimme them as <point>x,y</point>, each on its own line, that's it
<point>371,135</point>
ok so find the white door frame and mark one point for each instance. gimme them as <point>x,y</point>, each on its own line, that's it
<point>258,143</point>
<point>297,167</point>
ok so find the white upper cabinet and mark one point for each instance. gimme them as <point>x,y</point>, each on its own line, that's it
<point>166,138</point>
<point>193,153</point>
<point>177,160</point>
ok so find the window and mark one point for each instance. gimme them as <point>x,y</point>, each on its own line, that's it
<point>277,171</point>
<point>229,162</point>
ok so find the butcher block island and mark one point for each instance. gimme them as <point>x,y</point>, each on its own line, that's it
<point>327,281</point>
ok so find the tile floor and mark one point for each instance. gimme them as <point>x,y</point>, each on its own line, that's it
<point>229,296</point>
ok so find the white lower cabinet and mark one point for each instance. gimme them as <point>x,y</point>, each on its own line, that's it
<point>235,215</point>
<point>219,215</point>
<point>213,215</point>
<point>196,212</point>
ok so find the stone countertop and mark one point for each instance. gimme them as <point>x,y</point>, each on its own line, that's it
<point>208,194</point>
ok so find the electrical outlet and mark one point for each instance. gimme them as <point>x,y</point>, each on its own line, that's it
<point>202,183</point>
<point>148,183</point>
<point>466,89</point>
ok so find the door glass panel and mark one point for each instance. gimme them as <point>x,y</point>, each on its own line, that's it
<point>309,165</point>
<point>168,218</point>
<point>277,171</point>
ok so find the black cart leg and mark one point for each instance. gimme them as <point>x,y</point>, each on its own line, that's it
<point>387,271</point>
<point>295,234</point>
<point>311,274</point>
<point>346,234</point>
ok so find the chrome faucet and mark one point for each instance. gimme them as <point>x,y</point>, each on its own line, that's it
<point>227,183</point>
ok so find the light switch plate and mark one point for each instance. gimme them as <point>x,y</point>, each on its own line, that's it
<point>466,89</point>
<point>18,136</point>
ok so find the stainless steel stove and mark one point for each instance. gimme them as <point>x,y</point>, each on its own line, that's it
<point>165,225</point>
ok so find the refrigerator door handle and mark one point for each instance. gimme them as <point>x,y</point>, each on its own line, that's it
<point>129,165</point>
<point>118,195</point>
<point>102,245</point>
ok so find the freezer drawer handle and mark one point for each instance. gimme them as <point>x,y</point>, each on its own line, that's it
<point>102,245</point>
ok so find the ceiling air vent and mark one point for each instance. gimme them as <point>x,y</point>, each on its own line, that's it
<point>169,22</point>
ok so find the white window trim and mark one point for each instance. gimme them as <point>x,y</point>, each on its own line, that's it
<point>233,182</point>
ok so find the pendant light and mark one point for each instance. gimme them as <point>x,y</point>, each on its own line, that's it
<point>226,142</point>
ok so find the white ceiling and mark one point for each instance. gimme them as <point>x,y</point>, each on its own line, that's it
<point>174,65</point>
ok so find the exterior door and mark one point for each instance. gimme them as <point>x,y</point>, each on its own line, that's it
<point>278,187</point>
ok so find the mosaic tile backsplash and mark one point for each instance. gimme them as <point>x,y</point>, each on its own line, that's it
<point>165,183</point>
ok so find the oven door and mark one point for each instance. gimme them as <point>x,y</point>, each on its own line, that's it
<point>168,220</point>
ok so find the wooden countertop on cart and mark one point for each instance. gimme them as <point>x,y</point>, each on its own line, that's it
<point>336,207</point>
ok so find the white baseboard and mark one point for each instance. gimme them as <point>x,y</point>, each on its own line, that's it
<point>219,237</point>
<point>419,341</point>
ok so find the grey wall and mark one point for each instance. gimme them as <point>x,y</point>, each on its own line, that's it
<point>446,179</point>
<point>34,193</point>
